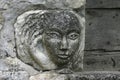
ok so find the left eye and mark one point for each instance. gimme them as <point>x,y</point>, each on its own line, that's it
<point>73,36</point>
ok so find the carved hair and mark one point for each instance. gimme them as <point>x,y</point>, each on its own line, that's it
<point>29,28</point>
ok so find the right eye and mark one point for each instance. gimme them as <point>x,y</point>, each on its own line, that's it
<point>53,35</point>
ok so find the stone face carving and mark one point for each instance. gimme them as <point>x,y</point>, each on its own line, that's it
<point>50,39</point>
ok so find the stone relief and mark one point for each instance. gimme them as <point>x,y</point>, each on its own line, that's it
<point>50,39</point>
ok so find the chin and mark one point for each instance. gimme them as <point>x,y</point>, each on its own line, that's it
<point>62,61</point>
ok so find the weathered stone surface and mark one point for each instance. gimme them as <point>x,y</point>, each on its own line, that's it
<point>65,3</point>
<point>14,64</point>
<point>102,39</point>
<point>12,69</point>
<point>78,76</point>
<point>103,4</point>
<point>40,39</point>
<point>5,4</point>
<point>60,4</point>
<point>9,10</point>
<point>102,36</point>
<point>105,24</point>
<point>1,20</point>
<point>102,30</point>
<point>49,76</point>
<point>101,61</point>
<point>9,75</point>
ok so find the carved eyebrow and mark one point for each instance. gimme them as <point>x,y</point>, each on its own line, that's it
<point>55,29</point>
<point>74,30</point>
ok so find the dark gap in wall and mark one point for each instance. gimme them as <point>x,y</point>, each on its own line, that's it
<point>102,50</point>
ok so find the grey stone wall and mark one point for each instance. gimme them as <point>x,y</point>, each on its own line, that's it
<point>11,68</point>
<point>103,4</point>
<point>102,35</point>
<point>102,38</point>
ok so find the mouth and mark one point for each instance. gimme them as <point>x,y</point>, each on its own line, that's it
<point>63,56</point>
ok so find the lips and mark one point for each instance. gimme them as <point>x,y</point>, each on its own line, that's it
<point>63,56</point>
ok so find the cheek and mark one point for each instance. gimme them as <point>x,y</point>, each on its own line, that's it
<point>74,44</point>
<point>52,44</point>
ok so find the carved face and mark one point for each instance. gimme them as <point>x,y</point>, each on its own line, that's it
<point>50,39</point>
<point>61,39</point>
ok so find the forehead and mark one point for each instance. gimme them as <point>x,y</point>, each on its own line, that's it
<point>63,20</point>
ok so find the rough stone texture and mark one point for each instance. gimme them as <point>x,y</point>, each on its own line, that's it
<point>78,76</point>
<point>13,75</point>
<point>49,76</point>
<point>102,36</point>
<point>33,48</point>
<point>102,32</point>
<point>61,4</point>
<point>9,10</point>
<point>12,68</point>
<point>9,70</point>
<point>5,4</point>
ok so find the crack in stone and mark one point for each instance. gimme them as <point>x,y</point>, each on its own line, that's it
<point>101,50</point>
<point>114,63</point>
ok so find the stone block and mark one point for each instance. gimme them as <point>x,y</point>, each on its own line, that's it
<point>46,40</point>
<point>101,61</point>
<point>78,76</point>
<point>103,3</point>
<point>102,30</point>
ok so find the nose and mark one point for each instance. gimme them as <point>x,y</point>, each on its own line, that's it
<point>64,44</point>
